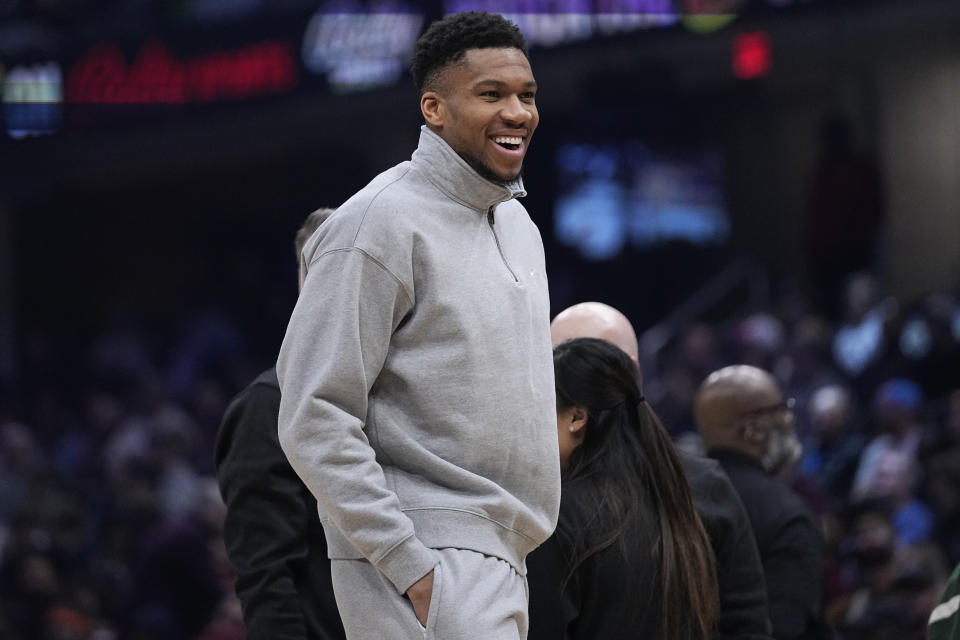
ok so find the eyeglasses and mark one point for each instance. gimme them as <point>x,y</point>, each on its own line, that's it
<point>787,404</point>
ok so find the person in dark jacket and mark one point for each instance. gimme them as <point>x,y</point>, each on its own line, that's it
<point>630,557</point>
<point>272,529</point>
<point>944,622</point>
<point>743,595</point>
<point>747,425</point>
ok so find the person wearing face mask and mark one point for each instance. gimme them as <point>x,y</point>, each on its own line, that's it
<point>747,425</point>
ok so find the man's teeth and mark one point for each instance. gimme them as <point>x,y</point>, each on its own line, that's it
<point>507,140</point>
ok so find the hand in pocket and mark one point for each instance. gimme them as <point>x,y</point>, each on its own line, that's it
<point>419,594</point>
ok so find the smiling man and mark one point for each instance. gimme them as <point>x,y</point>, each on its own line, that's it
<point>416,372</point>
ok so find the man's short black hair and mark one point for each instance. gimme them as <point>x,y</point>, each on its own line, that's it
<point>447,40</point>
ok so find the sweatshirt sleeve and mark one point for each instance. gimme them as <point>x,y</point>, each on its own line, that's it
<point>333,351</point>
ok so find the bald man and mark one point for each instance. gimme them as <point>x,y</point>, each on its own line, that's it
<point>743,602</point>
<point>595,320</point>
<point>747,425</point>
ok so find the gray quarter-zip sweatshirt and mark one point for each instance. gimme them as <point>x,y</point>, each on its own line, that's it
<point>417,372</point>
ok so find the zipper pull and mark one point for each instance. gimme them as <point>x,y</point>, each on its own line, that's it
<point>490,215</point>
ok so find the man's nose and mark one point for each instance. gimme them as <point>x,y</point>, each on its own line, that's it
<point>516,112</point>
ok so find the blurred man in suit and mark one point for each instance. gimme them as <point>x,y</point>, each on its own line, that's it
<point>747,425</point>
<point>272,530</point>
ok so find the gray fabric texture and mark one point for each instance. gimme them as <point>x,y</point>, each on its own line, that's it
<point>474,596</point>
<point>417,372</point>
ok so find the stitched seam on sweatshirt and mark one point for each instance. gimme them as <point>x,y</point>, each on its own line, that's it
<point>392,549</point>
<point>372,259</point>
<point>472,513</point>
<point>374,199</point>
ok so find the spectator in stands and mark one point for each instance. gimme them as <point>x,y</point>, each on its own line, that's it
<point>759,339</point>
<point>943,479</point>
<point>806,367</point>
<point>630,557</point>
<point>929,341</point>
<point>868,548</point>
<point>699,349</point>
<point>896,406</point>
<point>894,484</point>
<point>834,448</point>
<point>898,587</point>
<point>178,591</point>
<point>272,530</point>
<point>20,463</point>
<point>743,607</point>
<point>747,425</point>
<point>861,341</point>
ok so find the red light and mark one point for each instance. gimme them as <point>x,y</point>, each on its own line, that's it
<point>102,76</point>
<point>752,55</point>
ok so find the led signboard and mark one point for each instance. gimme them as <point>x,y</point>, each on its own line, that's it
<point>707,16</point>
<point>32,97</point>
<point>548,23</point>
<point>358,46</point>
<point>156,76</point>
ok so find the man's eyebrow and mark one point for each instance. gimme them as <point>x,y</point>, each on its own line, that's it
<point>490,82</point>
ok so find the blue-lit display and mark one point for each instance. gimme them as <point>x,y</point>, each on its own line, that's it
<point>612,196</point>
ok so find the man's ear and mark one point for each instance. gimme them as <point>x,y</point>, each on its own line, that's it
<point>433,108</point>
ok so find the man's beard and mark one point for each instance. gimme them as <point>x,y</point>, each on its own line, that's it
<point>783,449</point>
<point>486,172</point>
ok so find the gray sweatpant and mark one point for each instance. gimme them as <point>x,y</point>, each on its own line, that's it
<point>475,597</point>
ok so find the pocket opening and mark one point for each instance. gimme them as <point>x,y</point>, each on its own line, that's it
<point>433,611</point>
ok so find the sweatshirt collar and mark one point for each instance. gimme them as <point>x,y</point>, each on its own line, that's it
<point>450,173</point>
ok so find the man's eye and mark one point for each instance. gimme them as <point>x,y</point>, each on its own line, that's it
<point>528,97</point>
<point>490,94</point>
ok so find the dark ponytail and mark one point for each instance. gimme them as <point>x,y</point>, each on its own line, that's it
<point>628,458</point>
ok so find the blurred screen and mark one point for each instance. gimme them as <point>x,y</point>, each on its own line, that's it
<point>612,196</point>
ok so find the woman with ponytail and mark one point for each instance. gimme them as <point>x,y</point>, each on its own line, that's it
<point>630,557</point>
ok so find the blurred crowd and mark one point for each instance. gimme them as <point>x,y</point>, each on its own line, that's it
<point>110,517</point>
<point>110,514</point>
<point>877,393</point>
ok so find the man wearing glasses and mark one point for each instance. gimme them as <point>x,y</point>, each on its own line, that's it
<point>747,425</point>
